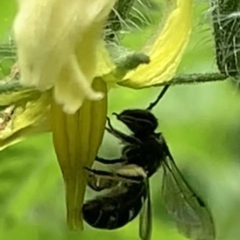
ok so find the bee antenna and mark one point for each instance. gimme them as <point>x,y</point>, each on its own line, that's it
<point>153,104</point>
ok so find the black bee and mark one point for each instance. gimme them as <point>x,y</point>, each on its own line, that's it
<point>143,153</point>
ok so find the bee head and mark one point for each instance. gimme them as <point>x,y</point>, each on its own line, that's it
<point>139,121</point>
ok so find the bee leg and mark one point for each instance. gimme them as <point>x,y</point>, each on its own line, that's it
<point>100,173</point>
<point>109,161</point>
<point>114,176</point>
<point>130,179</point>
<point>98,183</point>
<point>122,136</point>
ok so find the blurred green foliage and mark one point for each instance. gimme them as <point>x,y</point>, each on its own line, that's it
<point>202,127</point>
<point>7,12</point>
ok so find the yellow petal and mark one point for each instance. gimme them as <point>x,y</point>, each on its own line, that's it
<point>166,52</point>
<point>77,138</point>
<point>72,87</point>
<point>105,65</point>
<point>56,38</point>
<point>115,61</point>
<point>28,113</point>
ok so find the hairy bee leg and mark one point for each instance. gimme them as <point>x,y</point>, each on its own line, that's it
<point>114,176</point>
<point>153,104</point>
<point>120,135</point>
<point>101,173</point>
<point>130,179</point>
<point>109,123</point>
<point>97,183</point>
<point>109,161</point>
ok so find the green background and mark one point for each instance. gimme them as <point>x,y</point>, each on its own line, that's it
<point>200,123</point>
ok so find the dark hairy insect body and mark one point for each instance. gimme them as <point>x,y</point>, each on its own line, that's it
<point>148,154</point>
<point>115,209</point>
<point>124,203</point>
<point>143,153</point>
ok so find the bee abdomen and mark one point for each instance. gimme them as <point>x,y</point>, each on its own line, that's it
<point>113,212</point>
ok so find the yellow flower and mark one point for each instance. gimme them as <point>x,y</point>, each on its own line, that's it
<point>57,42</point>
<point>58,46</point>
<point>77,138</point>
<point>166,51</point>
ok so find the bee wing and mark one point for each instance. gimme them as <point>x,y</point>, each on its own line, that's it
<point>145,220</point>
<point>190,213</point>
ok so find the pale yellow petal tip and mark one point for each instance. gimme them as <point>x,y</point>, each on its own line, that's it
<point>72,98</point>
<point>58,48</point>
<point>71,105</point>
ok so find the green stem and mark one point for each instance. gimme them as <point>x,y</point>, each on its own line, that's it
<point>194,78</point>
<point>14,86</point>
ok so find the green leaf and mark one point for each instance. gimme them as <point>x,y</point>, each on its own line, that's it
<point>7,12</point>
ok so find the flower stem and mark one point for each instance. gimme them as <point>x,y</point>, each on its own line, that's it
<point>194,79</point>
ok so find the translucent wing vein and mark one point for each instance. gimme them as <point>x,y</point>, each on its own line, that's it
<point>190,213</point>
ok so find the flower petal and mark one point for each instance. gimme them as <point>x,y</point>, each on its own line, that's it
<point>60,37</point>
<point>166,52</point>
<point>27,114</point>
<point>77,138</point>
<point>72,87</point>
<point>115,61</point>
